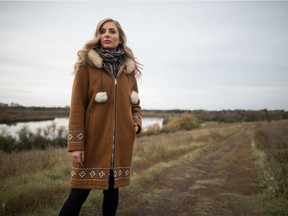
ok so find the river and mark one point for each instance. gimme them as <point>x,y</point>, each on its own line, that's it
<point>59,123</point>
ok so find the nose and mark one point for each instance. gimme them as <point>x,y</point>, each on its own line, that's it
<point>106,34</point>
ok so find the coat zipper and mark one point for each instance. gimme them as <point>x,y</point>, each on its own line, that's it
<point>114,125</point>
<point>114,121</point>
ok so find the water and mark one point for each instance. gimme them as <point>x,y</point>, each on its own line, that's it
<point>59,123</point>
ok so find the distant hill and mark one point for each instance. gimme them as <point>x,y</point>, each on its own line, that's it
<point>24,114</point>
<point>223,115</point>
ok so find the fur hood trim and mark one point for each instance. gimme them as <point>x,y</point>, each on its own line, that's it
<point>95,58</point>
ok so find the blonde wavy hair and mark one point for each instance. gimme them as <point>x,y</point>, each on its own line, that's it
<point>83,53</point>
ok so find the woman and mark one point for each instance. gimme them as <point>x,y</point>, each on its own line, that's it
<point>105,116</point>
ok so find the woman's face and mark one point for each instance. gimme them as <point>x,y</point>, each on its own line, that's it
<point>109,36</point>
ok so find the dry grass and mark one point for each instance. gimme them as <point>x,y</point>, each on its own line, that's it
<point>30,179</point>
<point>36,182</point>
<point>271,142</point>
<point>28,162</point>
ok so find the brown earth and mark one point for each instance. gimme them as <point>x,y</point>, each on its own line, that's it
<point>219,184</point>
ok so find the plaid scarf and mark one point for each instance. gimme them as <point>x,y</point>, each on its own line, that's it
<point>112,58</point>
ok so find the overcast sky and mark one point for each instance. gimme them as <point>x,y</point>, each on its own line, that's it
<point>196,55</point>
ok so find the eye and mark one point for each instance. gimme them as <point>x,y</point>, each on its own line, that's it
<point>102,31</point>
<point>112,31</point>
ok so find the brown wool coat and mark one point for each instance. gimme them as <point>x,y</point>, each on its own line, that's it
<point>95,125</point>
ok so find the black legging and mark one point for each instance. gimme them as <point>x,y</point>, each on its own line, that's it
<point>77,197</point>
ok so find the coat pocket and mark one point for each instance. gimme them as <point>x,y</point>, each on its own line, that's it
<point>88,128</point>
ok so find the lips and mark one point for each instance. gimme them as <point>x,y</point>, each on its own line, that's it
<point>107,41</point>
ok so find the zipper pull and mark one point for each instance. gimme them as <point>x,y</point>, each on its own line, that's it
<point>115,81</point>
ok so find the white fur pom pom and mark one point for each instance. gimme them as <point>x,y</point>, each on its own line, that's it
<point>101,97</point>
<point>134,97</point>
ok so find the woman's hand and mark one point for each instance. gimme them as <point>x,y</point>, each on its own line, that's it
<point>78,157</point>
<point>136,128</point>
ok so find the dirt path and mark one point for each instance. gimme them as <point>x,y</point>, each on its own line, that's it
<point>223,183</point>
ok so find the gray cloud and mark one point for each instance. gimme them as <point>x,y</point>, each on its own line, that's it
<point>196,55</point>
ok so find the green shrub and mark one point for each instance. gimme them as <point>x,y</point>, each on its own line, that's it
<point>181,122</point>
<point>26,140</point>
<point>7,143</point>
<point>152,130</point>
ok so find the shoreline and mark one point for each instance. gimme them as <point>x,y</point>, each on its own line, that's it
<point>10,115</point>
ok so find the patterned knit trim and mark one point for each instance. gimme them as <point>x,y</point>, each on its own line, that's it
<point>99,174</point>
<point>122,173</point>
<point>75,136</point>
<point>136,115</point>
<point>90,174</point>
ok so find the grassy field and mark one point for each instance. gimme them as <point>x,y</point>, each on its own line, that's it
<point>36,182</point>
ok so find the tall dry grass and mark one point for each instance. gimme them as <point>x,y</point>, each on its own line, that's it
<point>36,182</point>
<point>28,162</point>
<point>271,140</point>
<point>31,178</point>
